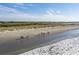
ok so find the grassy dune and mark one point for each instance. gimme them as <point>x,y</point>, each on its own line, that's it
<point>29,25</point>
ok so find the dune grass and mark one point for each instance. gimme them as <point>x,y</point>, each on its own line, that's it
<point>10,26</point>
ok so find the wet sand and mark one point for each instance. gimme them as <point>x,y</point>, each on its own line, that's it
<point>11,43</point>
<point>64,47</point>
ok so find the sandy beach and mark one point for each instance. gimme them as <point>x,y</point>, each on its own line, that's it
<point>13,35</point>
<point>9,43</point>
<point>64,47</point>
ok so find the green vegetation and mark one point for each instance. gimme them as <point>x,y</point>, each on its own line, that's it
<point>22,25</point>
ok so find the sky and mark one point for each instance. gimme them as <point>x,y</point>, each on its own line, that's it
<point>39,12</point>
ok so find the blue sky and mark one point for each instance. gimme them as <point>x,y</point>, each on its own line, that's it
<point>39,12</point>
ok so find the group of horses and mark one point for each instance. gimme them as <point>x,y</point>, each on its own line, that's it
<point>43,34</point>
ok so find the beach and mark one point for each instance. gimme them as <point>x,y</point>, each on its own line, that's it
<point>15,34</point>
<point>64,47</point>
<point>11,43</point>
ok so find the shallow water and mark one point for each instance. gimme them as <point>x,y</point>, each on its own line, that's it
<point>15,46</point>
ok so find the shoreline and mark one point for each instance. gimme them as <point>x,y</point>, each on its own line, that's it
<point>13,40</point>
<point>64,47</point>
<point>13,35</point>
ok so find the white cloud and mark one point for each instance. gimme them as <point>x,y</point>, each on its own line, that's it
<point>50,15</point>
<point>25,4</point>
<point>30,4</point>
<point>51,11</point>
<point>19,4</point>
<point>5,9</point>
<point>28,17</point>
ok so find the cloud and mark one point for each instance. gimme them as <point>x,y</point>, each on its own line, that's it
<point>51,11</point>
<point>4,9</point>
<point>15,15</point>
<point>30,5</point>
<point>18,17</point>
<point>29,17</point>
<point>23,5</point>
<point>20,5</point>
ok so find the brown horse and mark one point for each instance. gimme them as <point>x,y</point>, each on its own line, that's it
<point>21,37</point>
<point>43,34</point>
<point>48,33</point>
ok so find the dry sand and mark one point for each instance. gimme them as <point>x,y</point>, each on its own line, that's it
<point>9,44</point>
<point>13,35</point>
